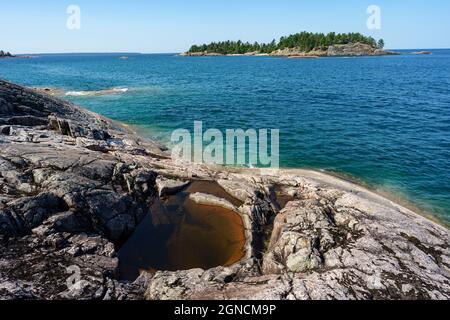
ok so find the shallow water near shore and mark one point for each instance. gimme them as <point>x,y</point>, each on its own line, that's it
<point>382,120</point>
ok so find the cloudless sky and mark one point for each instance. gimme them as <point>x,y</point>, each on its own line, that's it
<point>29,26</point>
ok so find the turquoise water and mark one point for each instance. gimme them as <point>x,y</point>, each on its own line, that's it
<point>384,120</point>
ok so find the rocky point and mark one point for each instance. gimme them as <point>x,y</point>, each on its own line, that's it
<point>74,186</point>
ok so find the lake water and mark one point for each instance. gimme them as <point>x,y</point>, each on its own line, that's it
<point>382,120</point>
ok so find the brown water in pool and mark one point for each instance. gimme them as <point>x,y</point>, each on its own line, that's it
<point>181,235</point>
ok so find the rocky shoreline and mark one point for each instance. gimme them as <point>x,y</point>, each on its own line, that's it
<point>344,50</point>
<point>74,186</point>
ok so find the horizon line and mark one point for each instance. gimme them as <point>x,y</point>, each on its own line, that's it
<point>176,52</point>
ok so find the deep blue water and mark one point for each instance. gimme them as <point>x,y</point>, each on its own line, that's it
<point>384,120</point>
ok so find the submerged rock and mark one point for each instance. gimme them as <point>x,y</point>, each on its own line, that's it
<point>422,52</point>
<point>74,187</point>
<point>211,200</point>
<point>168,187</point>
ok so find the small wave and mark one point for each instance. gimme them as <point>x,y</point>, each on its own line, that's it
<point>76,93</point>
<point>121,90</point>
<point>97,92</point>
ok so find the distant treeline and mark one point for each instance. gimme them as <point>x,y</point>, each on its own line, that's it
<point>5,54</point>
<point>305,41</point>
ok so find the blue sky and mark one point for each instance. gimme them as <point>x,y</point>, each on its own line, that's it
<point>28,26</point>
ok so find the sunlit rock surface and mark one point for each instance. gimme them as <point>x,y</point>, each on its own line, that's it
<point>74,187</point>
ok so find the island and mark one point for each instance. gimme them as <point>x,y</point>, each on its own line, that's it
<point>299,45</point>
<point>6,54</point>
<point>9,55</point>
<point>75,187</point>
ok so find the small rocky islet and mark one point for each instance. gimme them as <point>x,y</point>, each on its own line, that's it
<point>75,187</point>
<point>6,54</point>
<point>299,45</point>
<point>9,55</point>
<point>342,50</point>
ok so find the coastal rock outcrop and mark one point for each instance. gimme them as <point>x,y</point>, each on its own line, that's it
<point>74,186</point>
<point>333,241</point>
<point>356,49</point>
<point>6,54</point>
<point>341,50</point>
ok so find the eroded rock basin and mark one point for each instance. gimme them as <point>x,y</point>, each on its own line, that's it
<point>181,234</point>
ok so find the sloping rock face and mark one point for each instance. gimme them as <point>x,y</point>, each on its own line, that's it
<point>297,52</point>
<point>74,186</point>
<point>343,50</point>
<point>66,200</point>
<point>356,49</point>
<point>334,240</point>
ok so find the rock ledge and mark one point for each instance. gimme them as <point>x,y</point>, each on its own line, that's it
<point>74,186</point>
